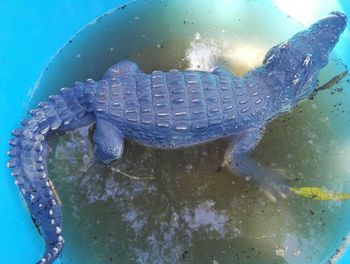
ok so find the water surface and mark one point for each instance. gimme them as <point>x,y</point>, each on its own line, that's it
<point>157,206</point>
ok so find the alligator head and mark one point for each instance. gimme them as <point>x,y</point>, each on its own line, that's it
<point>292,67</point>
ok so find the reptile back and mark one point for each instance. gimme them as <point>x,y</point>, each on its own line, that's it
<point>175,108</point>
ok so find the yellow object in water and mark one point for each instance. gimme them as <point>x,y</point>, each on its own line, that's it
<point>320,194</point>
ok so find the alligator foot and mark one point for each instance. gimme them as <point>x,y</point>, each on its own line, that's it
<point>237,158</point>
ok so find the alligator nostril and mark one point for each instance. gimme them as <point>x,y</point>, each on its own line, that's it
<point>339,15</point>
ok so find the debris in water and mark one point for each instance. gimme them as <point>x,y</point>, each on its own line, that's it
<point>332,82</point>
<point>320,194</point>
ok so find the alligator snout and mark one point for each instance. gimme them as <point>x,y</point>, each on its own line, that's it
<point>330,27</point>
<point>325,34</point>
<point>338,19</point>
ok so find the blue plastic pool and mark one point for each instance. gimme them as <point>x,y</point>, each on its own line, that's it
<point>31,36</point>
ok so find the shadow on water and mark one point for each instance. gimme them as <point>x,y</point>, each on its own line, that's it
<point>176,208</point>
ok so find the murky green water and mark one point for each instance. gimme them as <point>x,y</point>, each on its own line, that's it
<point>157,206</point>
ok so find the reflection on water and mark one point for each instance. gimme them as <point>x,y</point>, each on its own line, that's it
<point>157,206</point>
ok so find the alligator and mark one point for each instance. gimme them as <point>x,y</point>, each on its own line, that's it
<point>170,110</point>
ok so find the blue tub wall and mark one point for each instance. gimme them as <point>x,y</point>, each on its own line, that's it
<point>343,51</point>
<point>27,44</point>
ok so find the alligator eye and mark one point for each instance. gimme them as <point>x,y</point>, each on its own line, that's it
<point>270,58</point>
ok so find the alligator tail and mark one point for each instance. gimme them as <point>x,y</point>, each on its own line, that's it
<point>70,109</point>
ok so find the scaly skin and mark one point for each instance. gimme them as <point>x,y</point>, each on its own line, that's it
<point>168,110</point>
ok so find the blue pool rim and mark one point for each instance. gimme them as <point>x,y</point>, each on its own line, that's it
<point>28,44</point>
<point>31,42</point>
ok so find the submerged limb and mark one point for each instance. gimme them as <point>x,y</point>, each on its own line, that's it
<point>237,158</point>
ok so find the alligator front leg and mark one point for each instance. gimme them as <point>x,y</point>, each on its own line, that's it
<point>238,159</point>
<point>109,142</point>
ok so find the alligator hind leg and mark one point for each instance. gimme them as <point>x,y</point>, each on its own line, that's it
<point>109,142</point>
<point>237,157</point>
